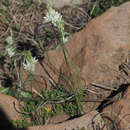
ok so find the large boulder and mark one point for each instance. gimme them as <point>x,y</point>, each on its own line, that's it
<point>98,50</point>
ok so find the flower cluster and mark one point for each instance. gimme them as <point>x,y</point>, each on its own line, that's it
<point>57,21</point>
<point>9,40</point>
<point>9,48</point>
<point>30,62</point>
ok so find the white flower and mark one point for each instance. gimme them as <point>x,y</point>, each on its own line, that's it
<point>56,19</point>
<point>53,16</point>
<point>9,40</point>
<point>10,50</point>
<point>30,63</point>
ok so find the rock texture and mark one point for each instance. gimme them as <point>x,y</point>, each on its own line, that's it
<point>125,111</point>
<point>99,50</point>
<point>9,105</point>
<point>119,112</point>
<point>88,122</point>
<point>102,53</point>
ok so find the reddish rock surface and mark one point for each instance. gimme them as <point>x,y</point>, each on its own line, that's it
<point>98,51</point>
<point>9,105</point>
<point>119,112</point>
<point>88,122</point>
<point>125,112</point>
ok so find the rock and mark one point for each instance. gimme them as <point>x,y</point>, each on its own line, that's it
<point>106,44</point>
<point>87,122</point>
<point>60,4</point>
<point>8,107</point>
<point>99,51</point>
<point>125,112</point>
<point>59,118</point>
<point>119,112</point>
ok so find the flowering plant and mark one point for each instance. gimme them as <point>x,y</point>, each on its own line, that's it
<point>9,40</point>
<point>9,48</point>
<point>30,62</point>
<point>57,21</point>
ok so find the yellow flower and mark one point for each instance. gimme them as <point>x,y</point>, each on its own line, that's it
<point>47,109</point>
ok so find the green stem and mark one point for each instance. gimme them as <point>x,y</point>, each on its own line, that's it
<point>71,78</point>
